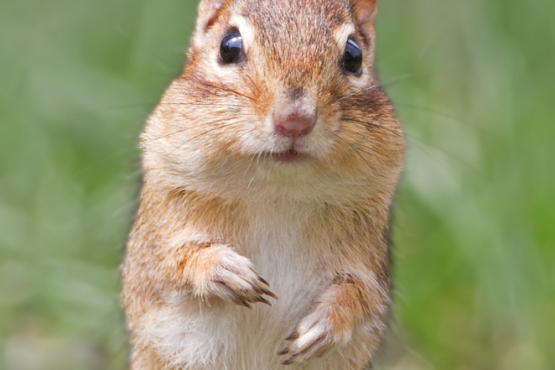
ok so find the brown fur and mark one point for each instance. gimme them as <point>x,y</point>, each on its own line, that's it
<point>184,229</point>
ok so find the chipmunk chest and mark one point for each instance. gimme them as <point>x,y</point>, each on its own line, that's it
<point>281,248</point>
<point>281,244</point>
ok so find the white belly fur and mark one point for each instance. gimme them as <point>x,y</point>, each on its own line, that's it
<point>218,335</point>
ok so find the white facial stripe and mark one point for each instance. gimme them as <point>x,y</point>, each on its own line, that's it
<point>363,81</point>
<point>245,28</point>
<point>342,34</point>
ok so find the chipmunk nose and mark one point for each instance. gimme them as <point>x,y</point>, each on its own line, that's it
<point>292,122</point>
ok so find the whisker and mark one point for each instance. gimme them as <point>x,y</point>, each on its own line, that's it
<point>185,129</point>
<point>355,150</point>
<point>354,94</point>
<point>415,140</point>
<point>252,82</point>
<point>398,104</point>
<point>227,119</point>
<point>201,134</point>
<point>206,104</point>
<point>397,133</point>
<point>442,114</point>
<point>397,80</point>
<point>427,147</point>
<point>231,91</point>
<point>224,162</point>
<point>149,105</point>
<point>250,182</point>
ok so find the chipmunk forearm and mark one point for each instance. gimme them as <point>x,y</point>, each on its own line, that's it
<point>170,268</point>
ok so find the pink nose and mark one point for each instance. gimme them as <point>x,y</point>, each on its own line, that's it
<point>292,122</point>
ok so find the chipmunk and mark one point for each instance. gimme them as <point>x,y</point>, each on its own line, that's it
<point>269,170</point>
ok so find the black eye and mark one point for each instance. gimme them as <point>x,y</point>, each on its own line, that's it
<point>231,48</point>
<point>352,60</point>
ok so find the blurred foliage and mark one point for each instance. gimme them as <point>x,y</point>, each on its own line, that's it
<point>472,82</point>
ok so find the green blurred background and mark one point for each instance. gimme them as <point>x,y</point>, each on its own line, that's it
<point>473,82</point>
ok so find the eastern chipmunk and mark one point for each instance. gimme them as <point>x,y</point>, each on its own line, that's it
<point>269,171</point>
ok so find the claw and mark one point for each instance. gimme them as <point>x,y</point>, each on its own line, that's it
<point>293,335</point>
<point>262,300</point>
<point>288,361</point>
<point>283,352</point>
<point>267,292</point>
<point>245,303</point>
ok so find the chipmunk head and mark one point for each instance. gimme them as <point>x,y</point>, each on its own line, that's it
<point>285,84</point>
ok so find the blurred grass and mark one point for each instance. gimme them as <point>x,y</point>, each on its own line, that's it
<point>474,259</point>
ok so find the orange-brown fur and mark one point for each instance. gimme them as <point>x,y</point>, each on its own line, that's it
<point>209,190</point>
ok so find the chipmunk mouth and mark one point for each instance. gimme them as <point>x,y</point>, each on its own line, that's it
<point>289,156</point>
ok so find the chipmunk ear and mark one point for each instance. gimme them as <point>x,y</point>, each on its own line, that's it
<point>208,13</point>
<point>364,11</point>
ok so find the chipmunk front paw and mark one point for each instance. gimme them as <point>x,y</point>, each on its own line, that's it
<point>313,337</point>
<point>234,278</point>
